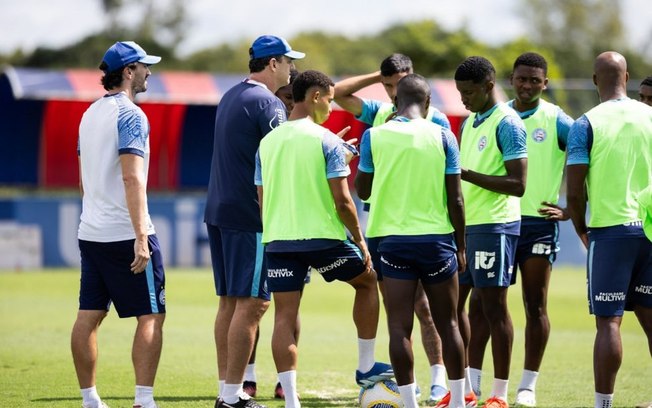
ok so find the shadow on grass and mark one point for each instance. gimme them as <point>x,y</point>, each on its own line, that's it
<point>108,399</point>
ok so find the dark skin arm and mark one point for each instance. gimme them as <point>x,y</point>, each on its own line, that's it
<point>347,212</point>
<point>455,205</point>
<point>511,184</point>
<point>363,182</point>
<point>576,197</point>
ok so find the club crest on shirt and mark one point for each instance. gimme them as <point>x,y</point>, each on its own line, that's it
<point>482,143</point>
<point>161,297</point>
<point>539,135</point>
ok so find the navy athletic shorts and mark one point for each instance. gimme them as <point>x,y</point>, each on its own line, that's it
<point>238,259</point>
<point>411,258</point>
<point>286,271</point>
<point>489,259</point>
<point>619,275</point>
<point>106,278</point>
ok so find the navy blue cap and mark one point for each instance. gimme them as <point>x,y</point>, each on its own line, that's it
<point>269,45</point>
<point>124,53</point>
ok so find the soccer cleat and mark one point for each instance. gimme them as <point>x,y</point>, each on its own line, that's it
<point>470,401</point>
<point>437,393</point>
<point>525,398</point>
<point>495,402</point>
<point>249,387</point>
<point>379,372</point>
<point>278,391</point>
<point>242,403</point>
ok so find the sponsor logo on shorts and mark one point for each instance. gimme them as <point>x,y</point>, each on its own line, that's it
<point>610,297</point>
<point>484,260</point>
<point>279,273</point>
<point>541,249</point>
<point>482,143</point>
<point>539,135</point>
<point>644,289</point>
<point>332,266</point>
<point>161,297</point>
<point>633,224</point>
<point>443,268</point>
<point>386,262</point>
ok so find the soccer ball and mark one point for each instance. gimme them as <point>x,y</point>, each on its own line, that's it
<point>383,394</point>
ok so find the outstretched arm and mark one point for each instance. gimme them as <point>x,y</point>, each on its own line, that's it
<point>345,89</point>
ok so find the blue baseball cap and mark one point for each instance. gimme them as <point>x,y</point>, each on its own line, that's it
<point>269,45</point>
<point>124,53</point>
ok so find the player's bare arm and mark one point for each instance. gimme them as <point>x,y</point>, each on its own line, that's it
<point>363,182</point>
<point>133,177</point>
<point>345,89</point>
<point>511,184</point>
<point>576,197</point>
<point>455,205</point>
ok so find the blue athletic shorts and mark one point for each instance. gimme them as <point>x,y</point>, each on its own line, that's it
<point>432,262</point>
<point>238,259</point>
<point>489,259</point>
<point>286,271</point>
<point>619,275</point>
<point>539,238</point>
<point>106,278</point>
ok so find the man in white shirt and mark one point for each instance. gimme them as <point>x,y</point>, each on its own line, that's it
<point>121,262</point>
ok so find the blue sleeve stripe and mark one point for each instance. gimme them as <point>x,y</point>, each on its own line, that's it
<point>131,150</point>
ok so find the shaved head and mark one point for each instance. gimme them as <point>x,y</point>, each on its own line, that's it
<point>610,75</point>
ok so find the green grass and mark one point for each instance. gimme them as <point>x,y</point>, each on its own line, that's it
<point>37,310</point>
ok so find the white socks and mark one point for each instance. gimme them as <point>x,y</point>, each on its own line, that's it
<point>408,395</point>
<point>231,393</point>
<point>476,378</point>
<point>220,388</point>
<point>457,392</point>
<point>529,380</point>
<point>144,395</point>
<point>603,400</point>
<point>468,387</point>
<point>438,375</point>
<point>500,389</point>
<point>90,397</point>
<point>366,357</point>
<point>288,381</point>
<point>250,372</point>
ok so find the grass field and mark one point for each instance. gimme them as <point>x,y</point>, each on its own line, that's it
<point>37,310</point>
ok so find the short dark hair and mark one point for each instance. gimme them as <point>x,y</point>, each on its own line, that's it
<point>293,75</point>
<point>113,79</point>
<point>412,88</point>
<point>476,69</point>
<point>307,80</point>
<point>532,59</point>
<point>395,64</point>
<point>647,81</point>
<point>259,64</point>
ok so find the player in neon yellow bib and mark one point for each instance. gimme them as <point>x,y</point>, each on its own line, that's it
<point>306,208</point>
<point>410,156</point>
<point>374,113</point>
<point>493,157</point>
<point>547,130</point>
<point>609,162</point>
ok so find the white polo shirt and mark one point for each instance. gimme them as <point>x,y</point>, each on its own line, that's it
<point>112,125</point>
